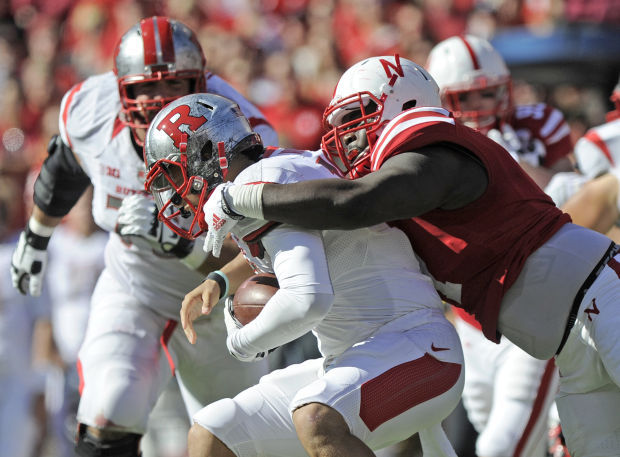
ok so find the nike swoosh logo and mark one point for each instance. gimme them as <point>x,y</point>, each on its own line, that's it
<point>436,349</point>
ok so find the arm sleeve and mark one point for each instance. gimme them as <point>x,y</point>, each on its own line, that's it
<point>305,295</point>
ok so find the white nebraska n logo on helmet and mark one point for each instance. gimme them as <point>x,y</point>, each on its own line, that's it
<point>389,66</point>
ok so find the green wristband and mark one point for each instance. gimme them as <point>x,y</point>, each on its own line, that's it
<point>222,280</point>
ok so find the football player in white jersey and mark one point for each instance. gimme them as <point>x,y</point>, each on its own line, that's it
<point>132,345</point>
<point>507,393</point>
<point>597,204</point>
<point>391,363</point>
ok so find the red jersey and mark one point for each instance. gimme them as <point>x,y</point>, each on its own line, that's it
<point>474,253</point>
<point>544,123</point>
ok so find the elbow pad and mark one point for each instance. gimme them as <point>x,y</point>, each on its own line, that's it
<point>61,181</point>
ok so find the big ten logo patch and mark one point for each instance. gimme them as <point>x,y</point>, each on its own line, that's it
<point>107,170</point>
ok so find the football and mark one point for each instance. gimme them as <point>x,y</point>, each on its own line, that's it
<point>252,295</point>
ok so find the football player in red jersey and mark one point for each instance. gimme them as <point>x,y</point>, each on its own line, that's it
<point>507,392</point>
<point>476,86</point>
<point>493,241</point>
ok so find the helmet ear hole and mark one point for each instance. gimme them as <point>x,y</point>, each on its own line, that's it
<point>409,104</point>
<point>207,151</point>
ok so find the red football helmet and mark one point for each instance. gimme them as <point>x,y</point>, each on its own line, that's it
<point>155,49</point>
<point>463,65</point>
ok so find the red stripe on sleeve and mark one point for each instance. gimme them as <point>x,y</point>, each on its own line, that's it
<point>596,139</point>
<point>65,112</point>
<point>80,376</point>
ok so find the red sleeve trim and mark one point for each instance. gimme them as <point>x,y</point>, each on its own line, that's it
<point>596,139</point>
<point>65,112</point>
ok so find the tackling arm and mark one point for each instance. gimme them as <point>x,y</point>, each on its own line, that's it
<point>407,185</point>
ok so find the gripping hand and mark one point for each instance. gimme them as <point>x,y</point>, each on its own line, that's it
<point>219,218</point>
<point>232,327</point>
<point>521,148</point>
<point>138,224</point>
<point>29,263</point>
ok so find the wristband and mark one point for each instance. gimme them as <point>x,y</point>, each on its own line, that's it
<point>37,234</point>
<point>222,280</point>
<point>246,199</point>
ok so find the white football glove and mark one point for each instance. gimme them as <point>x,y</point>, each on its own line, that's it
<point>509,141</point>
<point>219,218</point>
<point>29,263</point>
<point>232,327</point>
<point>531,151</point>
<point>138,224</point>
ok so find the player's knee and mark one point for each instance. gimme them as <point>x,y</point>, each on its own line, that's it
<point>317,424</point>
<point>202,443</point>
<point>126,403</point>
<point>103,443</point>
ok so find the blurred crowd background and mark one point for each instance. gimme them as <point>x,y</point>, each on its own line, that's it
<point>286,56</point>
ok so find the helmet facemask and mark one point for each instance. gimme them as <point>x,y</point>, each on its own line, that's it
<point>138,114</point>
<point>171,187</point>
<point>479,118</point>
<point>353,125</point>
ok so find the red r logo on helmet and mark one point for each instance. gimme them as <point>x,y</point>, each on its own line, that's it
<point>175,119</point>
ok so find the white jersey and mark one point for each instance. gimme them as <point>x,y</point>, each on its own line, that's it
<point>90,126</point>
<point>369,268</point>
<point>75,263</point>
<point>599,149</point>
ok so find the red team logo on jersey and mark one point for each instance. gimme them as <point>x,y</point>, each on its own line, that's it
<point>593,310</point>
<point>178,117</point>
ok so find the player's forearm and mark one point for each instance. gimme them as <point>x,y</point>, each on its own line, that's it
<point>237,271</point>
<point>324,204</point>
<point>44,219</point>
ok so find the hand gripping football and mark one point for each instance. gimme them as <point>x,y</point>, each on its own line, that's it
<point>252,295</point>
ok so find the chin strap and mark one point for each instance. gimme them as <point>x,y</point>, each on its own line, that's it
<point>221,153</point>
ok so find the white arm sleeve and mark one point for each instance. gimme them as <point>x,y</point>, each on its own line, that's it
<point>305,294</point>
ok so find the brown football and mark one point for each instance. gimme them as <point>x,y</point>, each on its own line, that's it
<point>252,295</point>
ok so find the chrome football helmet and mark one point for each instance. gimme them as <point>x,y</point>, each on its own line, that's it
<point>465,64</point>
<point>187,150</point>
<point>369,95</point>
<point>157,48</point>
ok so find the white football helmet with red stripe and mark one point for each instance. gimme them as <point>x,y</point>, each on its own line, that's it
<point>464,64</point>
<point>157,48</point>
<point>369,95</point>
